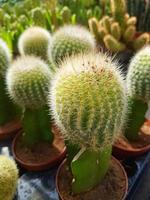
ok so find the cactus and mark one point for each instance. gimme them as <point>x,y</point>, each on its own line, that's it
<point>70,40</point>
<point>38,17</point>
<point>27,84</point>
<point>66,15</point>
<point>88,102</point>
<point>138,85</point>
<point>34,41</point>
<point>7,109</point>
<point>8,178</point>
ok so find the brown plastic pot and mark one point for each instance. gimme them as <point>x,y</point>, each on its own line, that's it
<point>10,129</point>
<point>50,162</point>
<point>117,163</point>
<point>122,152</point>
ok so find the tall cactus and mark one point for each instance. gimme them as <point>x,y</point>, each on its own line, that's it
<point>35,41</point>
<point>8,178</point>
<point>27,83</point>
<point>88,102</point>
<point>138,85</point>
<point>68,40</point>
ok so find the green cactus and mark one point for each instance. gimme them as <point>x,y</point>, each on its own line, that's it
<point>35,41</point>
<point>141,41</point>
<point>27,84</point>
<point>38,17</point>
<point>138,85</point>
<point>88,102</point>
<point>129,34</point>
<point>66,15</point>
<point>70,40</point>
<point>8,178</point>
<point>7,109</point>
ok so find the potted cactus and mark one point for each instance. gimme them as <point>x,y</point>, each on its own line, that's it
<point>70,40</point>
<point>118,33</point>
<point>8,178</point>
<point>9,123</point>
<point>36,147</point>
<point>136,140</point>
<point>88,103</point>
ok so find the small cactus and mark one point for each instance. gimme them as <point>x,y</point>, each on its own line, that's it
<point>88,102</point>
<point>35,41</point>
<point>8,178</point>
<point>138,86</point>
<point>38,17</point>
<point>27,83</point>
<point>70,40</point>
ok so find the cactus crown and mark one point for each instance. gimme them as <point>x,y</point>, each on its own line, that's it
<point>138,77</point>
<point>87,100</point>
<point>5,58</point>
<point>8,178</point>
<point>27,82</point>
<point>70,40</point>
<point>34,41</point>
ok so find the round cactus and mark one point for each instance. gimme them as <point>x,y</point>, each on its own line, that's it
<point>70,40</point>
<point>5,58</point>
<point>88,100</point>
<point>27,82</point>
<point>35,41</point>
<point>8,178</point>
<point>138,78</point>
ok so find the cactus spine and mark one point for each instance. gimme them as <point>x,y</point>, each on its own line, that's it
<point>138,85</point>
<point>27,84</point>
<point>35,41</point>
<point>70,40</point>
<point>87,99</point>
<point>8,178</point>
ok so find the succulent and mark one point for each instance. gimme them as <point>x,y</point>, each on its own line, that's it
<point>38,17</point>
<point>70,40</point>
<point>27,84</point>
<point>138,86</point>
<point>34,41</point>
<point>8,178</point>
<point>118,32</point>
<point>88,104</point>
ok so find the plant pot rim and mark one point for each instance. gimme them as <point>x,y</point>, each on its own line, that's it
<point>112,157</point>
<point>34,166</point>
<point>10,129</point>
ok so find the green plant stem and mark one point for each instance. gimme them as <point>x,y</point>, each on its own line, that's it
<point>36,126</point>
<point>136,118</point>
<point>8,111</point>
<point>89,168</point>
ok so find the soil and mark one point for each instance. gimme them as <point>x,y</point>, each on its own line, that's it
<point>113,187</point>
<point>10,128</point>
<point>42,152</point>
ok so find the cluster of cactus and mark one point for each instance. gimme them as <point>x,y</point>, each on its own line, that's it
<point>8,178</point>
<point>7,109</point>
<point>27,84</point>
<point>138,87</point>
<point>118,32</point>
<point>88,102</point>
<point>70,40</point>
<point>140,9</point>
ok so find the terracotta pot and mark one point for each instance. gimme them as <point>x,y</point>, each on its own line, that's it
<point>50,161</point>
<point>122,151</point>
<point>10,129</point>
<point>117,165</point>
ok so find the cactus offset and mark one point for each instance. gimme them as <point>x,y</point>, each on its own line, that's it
<point>88,103</point>
<point>8,178</point>
<point>27,84</point>
<point>70,40</point>
<point>35,41</point>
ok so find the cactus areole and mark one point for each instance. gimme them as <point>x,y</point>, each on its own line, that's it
<point>87,100</point>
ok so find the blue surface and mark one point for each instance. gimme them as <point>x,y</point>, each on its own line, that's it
<point>41,185</point>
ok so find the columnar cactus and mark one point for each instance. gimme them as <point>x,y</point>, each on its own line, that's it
<point>70,40</point>
<point>35,41</point>
<point>7,109</point>
<point>27,84</point>
<point>138,86</point>
<point>88,102</point>
<point>8,178</point>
